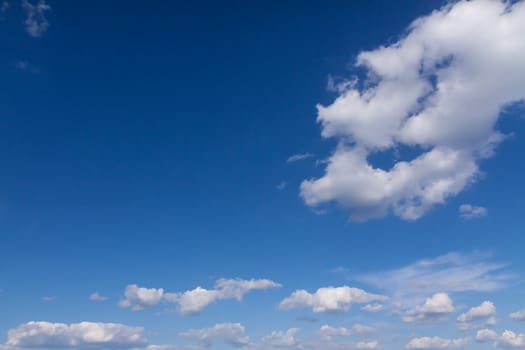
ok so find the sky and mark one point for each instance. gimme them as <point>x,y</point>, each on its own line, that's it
<point>262,175</point>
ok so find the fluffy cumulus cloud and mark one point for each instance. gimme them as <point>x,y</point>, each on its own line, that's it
<point>438,91</point>
<point>486,311</point>
<point>448,273</point>
<point>518,315</point>
<point>36,22</point>
<point>138,298</point>
<point>435,308</point>
<point>436,343</point>
<point>329,299</point>
<point>469,211</point>
<point>195,300</point>
<point>229,333</point>
<point>508,339</point>
<point>83,335</point>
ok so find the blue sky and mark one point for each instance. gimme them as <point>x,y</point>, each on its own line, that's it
<point>263,175</point>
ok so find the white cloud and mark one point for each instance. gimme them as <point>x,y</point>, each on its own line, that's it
<point>329,299</point>
<point>194,301</point>
<point>97,297</point>
<point>436,343</point>
<point>371,344</point>
<point>440,90</point>
<point>329,332</point>
<point>449,273</point>
<point>278,339</point>
<point>36,22</point>
<point>508,339</point>
<point>468,211</point>
<point>376,307</point>
<point>83,335</point>
<point>434,308</point>
<point>298,157</point>
<point>485,310</point>
<point>229,333</point>
<point>138,298</point>
<point>518,315</point>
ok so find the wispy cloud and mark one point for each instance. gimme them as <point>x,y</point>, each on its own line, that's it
<point>97,297</point>
<point>36,22</point>
<point>298,157</point>
<point>450,273</point>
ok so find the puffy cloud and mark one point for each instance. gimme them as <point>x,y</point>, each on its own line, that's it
<point>376,307</point>
<point>518,315</point>
<point>97,297</point>
<point>439,90</point>
<point>194,301</point>
<point>449,273</point>
<point>229,333</point>
<point>434,308</point>
<point>299,156</point>
<point>508,339</point>
<point>485,310</point>
<point>36,22</point>
<point>468,211</point>
<point>436,343</point>
<point>329,299</point>
<point>138,298</point>
<point>83,335</point>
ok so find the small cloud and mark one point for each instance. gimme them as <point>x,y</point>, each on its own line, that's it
<point>298,157</point>
<point>376,307</point>
<point>49,298</point>
<point>468,211</point>
<point>518,315</point>
<point>434,309</point>
<point>36,22</point>
<point>281,186</point>
<point>97,297</point>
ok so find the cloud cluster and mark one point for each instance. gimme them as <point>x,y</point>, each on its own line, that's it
<point>508,339</point>
<point>36,22</point>
<point>329,299</point>
<point>195,300</point>
<point>438,91</point>
<point>83,335</point>
<point>436,343</point>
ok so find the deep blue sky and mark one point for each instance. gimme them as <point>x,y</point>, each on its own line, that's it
<point>144,143</point>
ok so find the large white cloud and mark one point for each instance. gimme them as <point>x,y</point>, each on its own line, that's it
<point>329,299</point>
<point>440,89</point>
<point>435,308</point>
<point>195,300</point>
<point>83,335</point>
